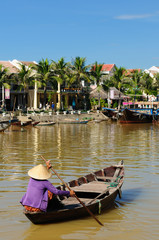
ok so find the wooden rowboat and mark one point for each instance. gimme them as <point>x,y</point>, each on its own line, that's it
<point>4,125</point>
<point>72,121</point>
<point>34,123</point>
<point>45,123</point>
<point>21,123</point>
<point>97,191</point>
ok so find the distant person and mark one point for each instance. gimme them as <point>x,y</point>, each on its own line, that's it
<point>53,106</point>
<point>40,105</point>
<point>73,104</point>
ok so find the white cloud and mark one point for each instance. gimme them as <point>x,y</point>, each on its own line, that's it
<point>132,17</point>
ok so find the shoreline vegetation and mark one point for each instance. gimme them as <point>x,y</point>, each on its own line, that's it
<point>69,84</point>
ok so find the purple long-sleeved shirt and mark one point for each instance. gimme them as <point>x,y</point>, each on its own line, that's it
<point>37,194</point>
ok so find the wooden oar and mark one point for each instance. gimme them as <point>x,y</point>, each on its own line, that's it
<point>75,194</point>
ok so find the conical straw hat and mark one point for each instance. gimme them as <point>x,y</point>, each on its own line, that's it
<point>39,172</point>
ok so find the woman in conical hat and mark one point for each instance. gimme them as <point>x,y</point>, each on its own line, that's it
<point>40,190</point>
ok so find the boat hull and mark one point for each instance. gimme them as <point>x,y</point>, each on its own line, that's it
<point>129,116</point>
<point>4,125</point>
<point>76,213</point>
<point>45,123</point>
<point>73,122</point>
<point>21,123</point>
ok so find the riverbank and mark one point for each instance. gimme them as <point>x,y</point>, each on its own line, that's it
<point>57,118</point>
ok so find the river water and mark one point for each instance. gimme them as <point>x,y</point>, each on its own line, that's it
<point>75,150</point>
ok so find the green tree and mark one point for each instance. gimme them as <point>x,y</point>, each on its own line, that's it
<point>156,83</point>
<point>96,76</point>
<point>119,80</point>
<point>79,71</point>
<point>43,75</point>
<point>59,75</point>
<point>4,80</point>
<point>24,79</point>
<point>133,82</point>
<point>96,73</point>
<point>147,84</point>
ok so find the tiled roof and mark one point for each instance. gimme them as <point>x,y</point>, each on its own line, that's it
<point>27,63</point>
<point>9,66</point>
<point>133,70</point>
<point>13,66</point>
<point>129,71</point>
<point>107,67</point>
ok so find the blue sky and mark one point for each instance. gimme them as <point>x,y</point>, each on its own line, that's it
<point>122,32</point>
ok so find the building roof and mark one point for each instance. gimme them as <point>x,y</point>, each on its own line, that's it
<point>11,68</point>
<point>14,65</point>
<point>130,71</point>
<point>27,63</point>
<point>107,67</point>
<point>96,93</point>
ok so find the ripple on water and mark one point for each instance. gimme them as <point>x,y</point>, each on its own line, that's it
<point>74,151</point>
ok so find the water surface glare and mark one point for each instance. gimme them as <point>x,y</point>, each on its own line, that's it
<point>75,150</point>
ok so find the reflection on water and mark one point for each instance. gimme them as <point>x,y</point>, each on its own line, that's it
<point>75,150</point>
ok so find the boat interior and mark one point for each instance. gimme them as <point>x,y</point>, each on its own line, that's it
<point>92,187</point>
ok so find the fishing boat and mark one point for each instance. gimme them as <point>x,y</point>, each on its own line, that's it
<point>34,123</point>
<point>4,125</point>
<point>45,123</point>
<point>111,113</point>
<point>130,116</point>
<point>21,123</point>
<point>97,190</point>
<point>72,121</point>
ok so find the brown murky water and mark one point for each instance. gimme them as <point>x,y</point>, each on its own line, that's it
<point>75,150</point>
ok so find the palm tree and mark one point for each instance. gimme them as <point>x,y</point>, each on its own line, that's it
<point>43,75</point>
<point>156,83</point>
<point>96,73</point>
<point>147,83</point>
<point>80,71</point>
<point>96,76</point>
<point>118,79</point>
<point>4,80</point>
<point>133,82</point>
<point>24,79</point>
<point>59,75</point>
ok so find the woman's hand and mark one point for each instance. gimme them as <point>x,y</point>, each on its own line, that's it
<point>48,164</point>
<point>72,193</point>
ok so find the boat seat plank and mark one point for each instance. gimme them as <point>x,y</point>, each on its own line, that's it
<point>71,203</point>
<point>93,186</point>
<point>106,178</point>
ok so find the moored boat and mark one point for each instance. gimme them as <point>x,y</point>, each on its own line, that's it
<point>97,191</point>
<point>45,123</point>
<point>21,123</point>
<point>72,121</point>
<point>111,113</point>
<point>130,116</point>
<point>4,125</point>
<point>34,123</point>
